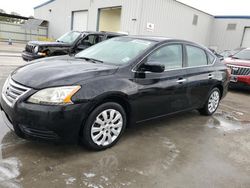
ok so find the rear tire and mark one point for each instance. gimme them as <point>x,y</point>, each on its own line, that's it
<point>212,103</point>
<point>104,126</point>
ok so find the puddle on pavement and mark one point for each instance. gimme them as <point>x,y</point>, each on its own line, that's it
<point>145,155</point>
<point>116,171</point>
<point>9,171</point>
<point>228,122</point>
<point>125,165</point>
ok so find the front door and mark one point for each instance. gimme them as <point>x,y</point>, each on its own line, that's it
<point>88,41</point>
<point>162,93</point>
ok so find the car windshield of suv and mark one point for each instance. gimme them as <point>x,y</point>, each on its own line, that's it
<point>69,37</point>
<point>244,54</point>
<point>118,51</point>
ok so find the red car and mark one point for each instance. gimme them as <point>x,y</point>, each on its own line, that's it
<point>240,67</point>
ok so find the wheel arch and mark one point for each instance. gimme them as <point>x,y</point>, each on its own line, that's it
<point>220,87</point>
<point>117,97</point>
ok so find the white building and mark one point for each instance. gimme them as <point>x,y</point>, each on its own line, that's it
<point>168,18</point>
<point>230,32</point>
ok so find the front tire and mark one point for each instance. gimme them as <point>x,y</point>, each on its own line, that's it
<point>104,126</point>
<point>212,103</point>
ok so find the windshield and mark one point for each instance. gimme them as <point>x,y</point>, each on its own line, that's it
<point>69,37</point>
<point>244,54</point>
<point>116,51</point>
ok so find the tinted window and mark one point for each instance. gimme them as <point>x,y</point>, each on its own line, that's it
<point>69,37</point>
<point>196,56</point>
<point>90,40</point>
<point>170,56</point>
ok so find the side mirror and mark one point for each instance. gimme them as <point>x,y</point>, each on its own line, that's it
<point>152,67</point>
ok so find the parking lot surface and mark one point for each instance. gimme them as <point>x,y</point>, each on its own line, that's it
<point>185,150</point>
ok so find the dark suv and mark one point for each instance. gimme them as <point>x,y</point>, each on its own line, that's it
<point>91,97</point>
<point>70,43</point>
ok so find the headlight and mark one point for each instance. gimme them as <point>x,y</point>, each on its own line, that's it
<point>36,49</point>
<point>54,96</point>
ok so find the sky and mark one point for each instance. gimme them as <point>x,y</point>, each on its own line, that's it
<point>214,7</point>
<point>23,7</point>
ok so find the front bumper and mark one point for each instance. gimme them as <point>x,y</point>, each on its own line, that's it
<point>43,122</point>
<point>30,56</point>
<point>240,79</point>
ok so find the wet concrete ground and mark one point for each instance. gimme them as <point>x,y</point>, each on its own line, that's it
<point>185,150</point>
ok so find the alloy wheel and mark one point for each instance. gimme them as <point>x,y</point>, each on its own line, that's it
<point>106,127</point>
<point>213,101</point>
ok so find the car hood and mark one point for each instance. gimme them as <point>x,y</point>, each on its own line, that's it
<point>59,71</point>
<point>237,62</point>
<point>51,44</point>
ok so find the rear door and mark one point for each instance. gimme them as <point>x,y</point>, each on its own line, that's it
<point>200,74</point>
<point>166,92</point>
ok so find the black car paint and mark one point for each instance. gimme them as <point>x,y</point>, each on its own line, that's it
<point>58,71</point>
<point>59,48</point>
<point>144,95</point>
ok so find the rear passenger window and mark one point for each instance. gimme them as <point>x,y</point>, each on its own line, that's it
<point>170,56</point>
<point>196,56</point>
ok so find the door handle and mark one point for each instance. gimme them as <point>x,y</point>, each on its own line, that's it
<point>210,76</point>
<point>181,80</point>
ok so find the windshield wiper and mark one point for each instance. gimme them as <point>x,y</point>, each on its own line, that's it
<point>235,57</point>
<point>90,59</point>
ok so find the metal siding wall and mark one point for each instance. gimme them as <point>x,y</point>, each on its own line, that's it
<point>224,39</point>
<point>60,16</point>
<point>131,13</point>
<point>171,19</point>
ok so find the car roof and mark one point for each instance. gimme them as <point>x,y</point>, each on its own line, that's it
<point>151,38</point>
<point>160,39</point>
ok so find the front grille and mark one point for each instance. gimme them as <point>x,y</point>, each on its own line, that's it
<point>29,48</point>
<point>239,70</point>
<point>12,91</point>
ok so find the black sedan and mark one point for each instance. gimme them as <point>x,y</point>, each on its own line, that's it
<point>93,96</point>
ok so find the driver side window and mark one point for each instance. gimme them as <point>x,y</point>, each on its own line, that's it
<point>169,55</point>
<point>90,40</point>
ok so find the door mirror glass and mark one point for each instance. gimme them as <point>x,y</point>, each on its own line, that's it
<point>153,67</point>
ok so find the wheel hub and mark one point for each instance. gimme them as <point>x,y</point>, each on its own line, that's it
<point>213,101</point>
<point>106,127</point>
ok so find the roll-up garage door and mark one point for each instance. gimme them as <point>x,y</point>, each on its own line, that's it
<point>110,19</point>
<point>246,38</point>
<point>79,20</point>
